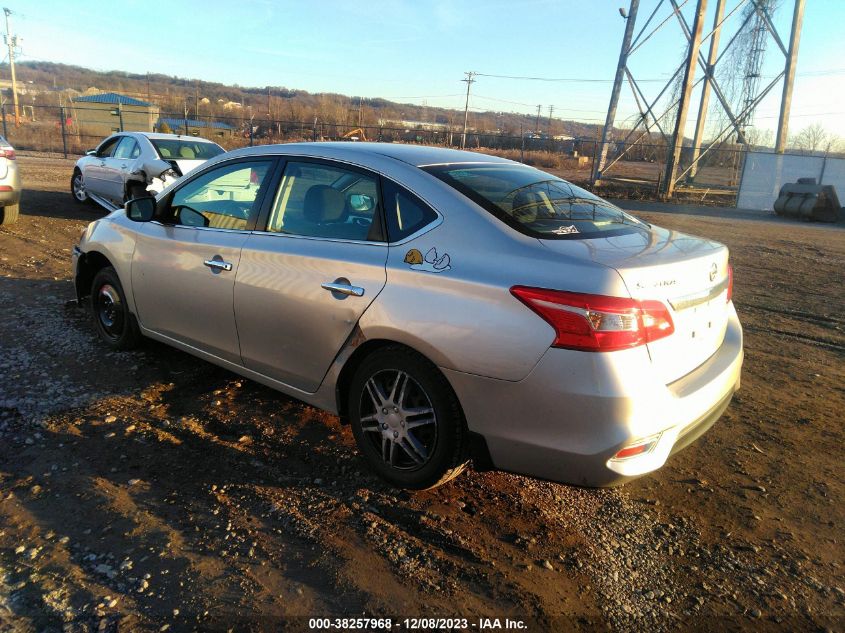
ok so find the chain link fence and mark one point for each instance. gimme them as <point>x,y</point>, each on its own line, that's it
<point>632,170</point>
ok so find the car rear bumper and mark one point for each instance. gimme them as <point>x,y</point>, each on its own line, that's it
<point>9,197</point>
<point>10,186</point>
<point>571,415</point>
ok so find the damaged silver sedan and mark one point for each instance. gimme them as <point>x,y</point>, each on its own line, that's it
<point>134,164</point>
<point>448,305</point>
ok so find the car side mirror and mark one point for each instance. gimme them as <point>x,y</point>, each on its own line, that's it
<point>141,209</point>
<point>90,152</point>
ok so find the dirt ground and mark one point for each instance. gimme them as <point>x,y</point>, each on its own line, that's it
<point>152,491</point>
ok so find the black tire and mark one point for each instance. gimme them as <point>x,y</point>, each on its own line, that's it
<point>115,325</point>
<point>9,214</point>
<point>77,191</point>
<point>385,437</point>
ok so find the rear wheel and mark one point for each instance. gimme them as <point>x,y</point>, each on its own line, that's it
<point>406,419</point>
<point>9,214</point>
<point>114,323</point>
<point>77,188</point>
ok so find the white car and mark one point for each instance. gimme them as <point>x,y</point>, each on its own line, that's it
<point>10,184</point>
<point>132,164</point>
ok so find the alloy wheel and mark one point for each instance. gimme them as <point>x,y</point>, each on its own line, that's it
<point>79,188</point>
<point>397,417</point>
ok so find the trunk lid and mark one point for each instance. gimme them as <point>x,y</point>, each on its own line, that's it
<point>688,274</point>
<point>187,164</point>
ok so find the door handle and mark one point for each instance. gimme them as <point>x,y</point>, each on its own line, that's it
<point>343,288</point>
<point>218,264</point>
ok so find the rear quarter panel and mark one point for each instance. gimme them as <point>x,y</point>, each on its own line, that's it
<point>464,317</point>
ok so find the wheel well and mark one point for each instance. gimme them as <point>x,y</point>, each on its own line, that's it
<point>477,445</point>
<point>89,265</point>
<point>140,181</point>
<point>344,380</point>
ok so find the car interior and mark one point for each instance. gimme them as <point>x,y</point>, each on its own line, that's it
<point>318,202</point>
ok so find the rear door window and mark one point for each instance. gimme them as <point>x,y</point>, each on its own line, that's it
<point>127,148</point>
<point>329,201</point>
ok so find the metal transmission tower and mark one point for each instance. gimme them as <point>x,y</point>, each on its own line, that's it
<point>756,51</point>
<point>653,112</point>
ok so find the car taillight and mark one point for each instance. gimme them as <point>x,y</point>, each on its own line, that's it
<point>637,448</point>
<point>7,153</point>
<point>730,283</point>
<point>596,323</point>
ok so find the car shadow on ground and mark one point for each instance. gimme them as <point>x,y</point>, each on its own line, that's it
<point>58,204</point>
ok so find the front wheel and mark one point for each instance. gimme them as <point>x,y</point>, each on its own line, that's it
<point>406,419</point>
<point>114,323</point>
<point>77,189</point>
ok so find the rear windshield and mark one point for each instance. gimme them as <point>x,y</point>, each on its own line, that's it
<point>178,149</point>
<point>536,203</point>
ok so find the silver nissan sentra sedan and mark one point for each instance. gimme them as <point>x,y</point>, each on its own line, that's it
<point>450,306</point>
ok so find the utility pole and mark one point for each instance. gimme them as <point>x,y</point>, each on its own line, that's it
<point>686,95</point>
<point>551,110</point>
<point>197,100</point>
<point>788,77</point>
<point>360,111</point>
<point>11,42</point>
<point>537,122</point>
<point>469,81</point>
<point>705,88</point>
<point>630,21</point>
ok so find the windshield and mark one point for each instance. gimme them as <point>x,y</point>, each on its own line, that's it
<point>179,149</point>
<point>537,203</point>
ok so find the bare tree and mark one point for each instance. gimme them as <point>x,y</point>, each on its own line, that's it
<point>812,138</point>
<point>756,137</point>
<point>834,144</point>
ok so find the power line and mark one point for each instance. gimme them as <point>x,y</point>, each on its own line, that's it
<point>560,79</point>
<point>531,105</point>
<point>811,73</point>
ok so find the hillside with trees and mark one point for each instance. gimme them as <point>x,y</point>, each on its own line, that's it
<point>53,84</point>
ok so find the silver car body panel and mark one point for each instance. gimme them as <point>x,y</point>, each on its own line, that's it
<point>9,177</point>
<point>585,407</point>
<point>178,295</point>
<point>291,328</point>
<point>548,412</point>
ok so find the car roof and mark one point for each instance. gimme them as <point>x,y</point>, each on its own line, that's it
<point>416,155</point>
<point>161,136</point>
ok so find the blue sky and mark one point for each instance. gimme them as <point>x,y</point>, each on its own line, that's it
<point>417,51</point>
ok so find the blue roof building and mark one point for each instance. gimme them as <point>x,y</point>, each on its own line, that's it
<point>103,114</point>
